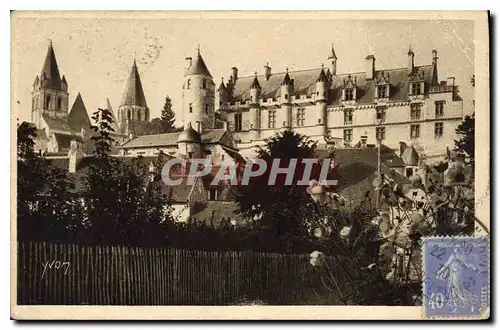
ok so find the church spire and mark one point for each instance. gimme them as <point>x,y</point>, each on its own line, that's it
<point>50,71</point>
<point>134,94</point>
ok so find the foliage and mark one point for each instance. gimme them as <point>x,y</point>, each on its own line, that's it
<point>168,115</point>
<point>42,190</point>
<point>466,142</point>
<point>279,207</point>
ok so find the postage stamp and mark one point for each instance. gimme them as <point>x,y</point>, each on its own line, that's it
<point>456,277</point>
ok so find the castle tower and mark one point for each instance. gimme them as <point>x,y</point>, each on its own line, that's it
<point>133,111</point>
<point>198,95</point>
<point>332,58</point>
<point>322,88</point>
<point>286,99</point>
<point>254,105</point>
<point>49,96</point>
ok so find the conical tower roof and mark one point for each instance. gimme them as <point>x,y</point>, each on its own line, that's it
<point>78,116</point>
<point>332,54</point>
<point>198,67</point>
<point>286,80</point>
<point>134,94</point>
<point>50,70</point>
<point>255,83</point>
<point>322,76</point>
<point>114,125</point>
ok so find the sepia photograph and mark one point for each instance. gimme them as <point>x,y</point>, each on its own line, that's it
<point>250,159</point>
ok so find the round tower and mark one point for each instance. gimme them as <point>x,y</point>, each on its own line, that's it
<point>286,99</point>
<point>189,142</point>
<point>254,105</point>
<point>198,93</point>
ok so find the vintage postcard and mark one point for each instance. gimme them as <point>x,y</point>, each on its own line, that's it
<point>250,165</point>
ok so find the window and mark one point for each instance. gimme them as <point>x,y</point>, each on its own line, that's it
<point>328,133</point>
<point>415,111</point>
<point>206,108</point>
<point>212,194</point>
<point>271,119</point>
<point>139,114</point>
<point>128,114</point>
<point>416,88</point>
<point>438,130</point>
<point>348,135</point>
<point>381,113</point>
<point>237,122</point>
<point>58,103</point>
<point>415,131</point>
<point>190,107</point>
<point>409,172</point>
<point>382,91</point>
<point>300,116</point>
<point>349,94</point>
<point>286,96</point>
<point>47,102</point>
<point>220,103</point>
<point>204,83</point>
<point>188,84</point>
<point>146,114</point>
<point>380,133</point>
<point>348,116</point>
<point>439,108</point>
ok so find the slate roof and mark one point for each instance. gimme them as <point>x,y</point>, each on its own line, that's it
<point>410,156</point>
<point>170,139</point>
<point>78,116</point>
<point>50,70</point>
<point>57,124</point>
<point>357,168</point>
<point>305,83</point>
<point>114,125</point>
<point>134,94</point>
<point>198,67</point>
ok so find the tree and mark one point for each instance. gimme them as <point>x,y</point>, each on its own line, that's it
<point>466,142</point>
<point>122,207</point>
<point>157,126</point>
<point>168,115</point>
<point>280,206</point>
<point>42,191</point>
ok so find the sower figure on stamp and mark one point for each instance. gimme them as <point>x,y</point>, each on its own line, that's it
<point>454,269</point>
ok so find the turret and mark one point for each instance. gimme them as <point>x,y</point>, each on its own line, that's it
<point>255,91</point>
<point>221,96</point>
<point>189,142</point>
<point>411,63</point>
<point>286,97</point>
<point>321,86</point>
<point>267,71</point>
<point>198,94</point>
<point>332,58</point>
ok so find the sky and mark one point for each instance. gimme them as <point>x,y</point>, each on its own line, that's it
<point>96,55</point>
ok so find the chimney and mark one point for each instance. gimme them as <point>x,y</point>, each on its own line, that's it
<point>74,156</point>
<point>411,61</point>
<point>370,67</point>
<point>267,71</point>
<point>364,138</point>
<point>234,73</point>
<point>402,147</point>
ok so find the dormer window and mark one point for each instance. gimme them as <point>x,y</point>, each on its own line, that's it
<point>349,91</point>
<point>382,91</point>
<point>417,84</point>
<point>416,89</point>
<point>349,94</point>
<point>382,86</point>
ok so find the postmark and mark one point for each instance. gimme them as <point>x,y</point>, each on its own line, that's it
<point>456,277</point>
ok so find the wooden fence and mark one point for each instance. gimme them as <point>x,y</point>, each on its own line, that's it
<point>68,274</point>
